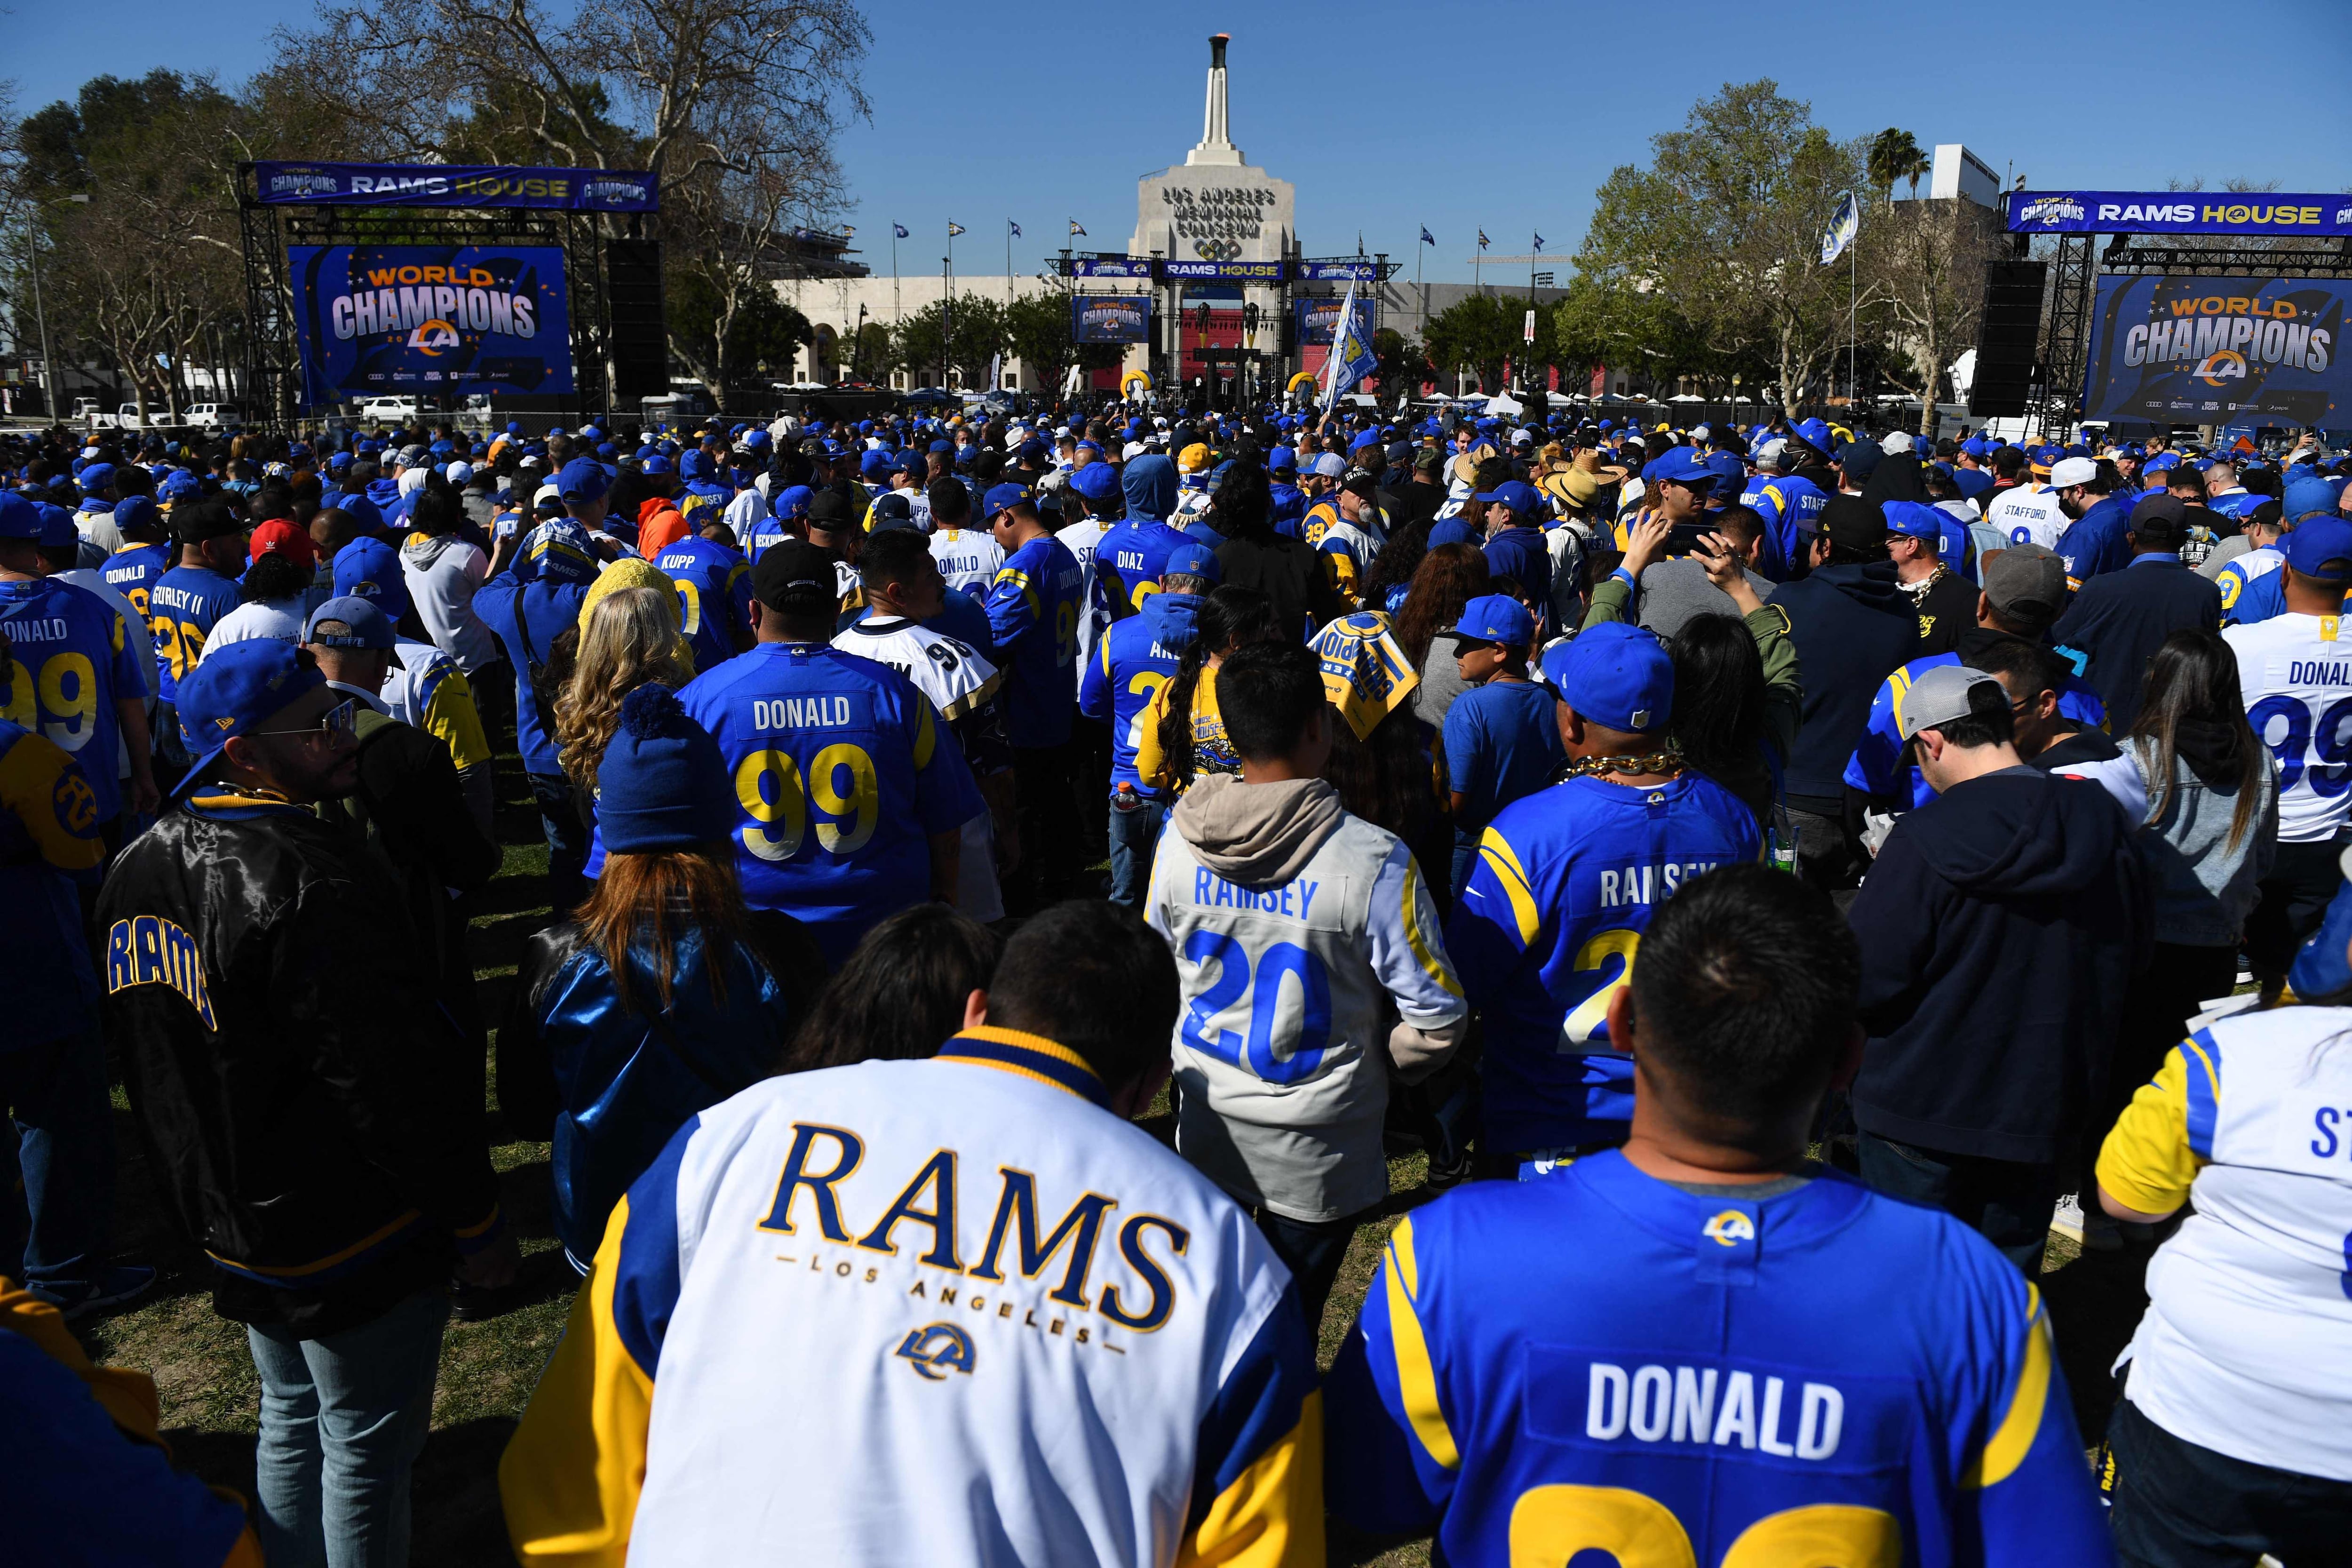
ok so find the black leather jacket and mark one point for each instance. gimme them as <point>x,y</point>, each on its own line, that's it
<point>313,1114</point>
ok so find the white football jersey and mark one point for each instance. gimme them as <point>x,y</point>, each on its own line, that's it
<point>1082,540</point>
<point>2296,674</point>
<point>968,558</point>
<point>2030,514</point>
<point>1282,1047</point>
<point>950,1312</point>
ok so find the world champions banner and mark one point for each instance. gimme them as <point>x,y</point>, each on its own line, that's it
<point>2220,350</point>
<point>428,318</point>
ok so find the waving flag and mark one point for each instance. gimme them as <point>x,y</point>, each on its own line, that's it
<point>1013,226</point>
<point>954,228</point>
<point>1427,238</point>
<point>1539,245</point>
<point>1351,347</point>
<point>899,229</point>
<point>1483,241</point>
<point>1844,223</point>
<point>1076,232</point>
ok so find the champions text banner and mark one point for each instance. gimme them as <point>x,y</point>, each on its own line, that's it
<point>430,319</point>
<point>455,185</point>
<point>1110,318</point>
<point>2214,351</point>
<point>2178,212</point>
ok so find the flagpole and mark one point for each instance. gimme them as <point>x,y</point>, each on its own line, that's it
<point>897,309</point>
<point>1853,300</point>
<point>1008,267</point>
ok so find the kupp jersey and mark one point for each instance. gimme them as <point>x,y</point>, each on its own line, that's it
<point>842,772</point>
<point>1035,607</point>
<point>714,595</point>
<point>1281,1047</point>
<point>70,659</point>
<point>133,570</point>
<point>2030,514</point>
<point>1546,930</point>
<point>1598,1366</point>
<point>2247,1345</point>
<point>968,558</point>
<point>1876,755</point>
<point>945,1312</point>
<point>183,606</point>
<point>2296,675</point>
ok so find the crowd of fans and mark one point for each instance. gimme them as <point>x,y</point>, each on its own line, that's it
<point>1774,874</point>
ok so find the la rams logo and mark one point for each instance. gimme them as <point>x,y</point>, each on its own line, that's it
<point>1729,1228</point>
<point>2228,364</point>
<point>432,337</point>
<point>937,1349</point>
<point>75,803</point>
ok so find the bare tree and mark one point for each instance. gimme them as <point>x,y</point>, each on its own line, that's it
<point>1927,263</point>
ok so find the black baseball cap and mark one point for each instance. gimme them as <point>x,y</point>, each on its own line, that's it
<point>795,575</point>
<point>1855,524</point>
<point>206,520</point>
<point>830,509</point>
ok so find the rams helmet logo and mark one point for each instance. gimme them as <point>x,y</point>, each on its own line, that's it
<point>936,1350</point>
<point>1729,1228</point>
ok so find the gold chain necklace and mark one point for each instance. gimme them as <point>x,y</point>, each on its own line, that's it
<point>1667,761</point>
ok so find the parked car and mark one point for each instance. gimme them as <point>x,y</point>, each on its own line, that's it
<point>389,406</point>
<point>213,418</point>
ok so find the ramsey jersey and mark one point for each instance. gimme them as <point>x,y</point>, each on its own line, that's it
<point>1564,886</point>
<point>1033,607</point>
<point>70,659</point>
<point>1285,1085</point>
<point>131,571</point>
<point>2247,1345</point>
<point>840,773</point>
<point>183,605</point>
<point>2029,514</point>
<point>1871,767</point>
<point>424,690</point>
<point>714,597</point>
<point>1054,1341</point>
<point>1599,1366</point>
<point>968,558</point>
<point>2294,673</point>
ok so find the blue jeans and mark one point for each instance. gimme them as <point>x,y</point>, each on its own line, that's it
<point>58,1237</point>
<point>567,839</point>
<point>1134,836</point>
<point>343,1420</point>
<point>2005,1201</point>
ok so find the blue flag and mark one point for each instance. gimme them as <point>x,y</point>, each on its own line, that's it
<point>1844,223</point>
<point>899,229</point>
<point>1075,230</point>
<point>1427,238</point>
<point>1539,245</point>
<point>954,228</point>
<point>1013,226</point>
<point>1352,358</point>
<point>1483,241</point>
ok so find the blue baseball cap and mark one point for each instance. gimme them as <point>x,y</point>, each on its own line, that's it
<point>1911,518</point>
<point>365,626</point>
<point>1451,531</point>
<point>1497,619</point>
<point>1193,560</point>
<point>873,465</point>
<point>1616,674</point>
<point>2321,549</point>
<point>1282,460</point>
<point>2307,497</point>
<point>1688,470</point>
<point>57,530</point>
<point>792,501</point>
<point>656,464</point>
<point>370,569</point>
<point>1095,481</point>
<point>1814,433</point>
<point>1004,496</point>
<point>582,479</point>
<point>137,512</point>
<point>1033,451</point>
<point>96,477</point>
<point>19,517</point>
<point>236,690</point>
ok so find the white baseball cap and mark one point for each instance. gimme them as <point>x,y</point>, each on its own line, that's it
<point>2068,471</point>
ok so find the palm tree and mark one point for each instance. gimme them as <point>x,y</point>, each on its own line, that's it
<point>1895,155</point>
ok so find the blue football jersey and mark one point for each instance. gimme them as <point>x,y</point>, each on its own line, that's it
<point>70,658</point>
<point>1131,662</point>
<point>1033,618</point>
<point>842,772</point>
<point>131,571</point>
<point>1870,768</point>
<point>1138,552</point>
<point>1565,883</point>
<point>183,606</point>
<point>1599,1366</point>
<point>714,597</point>
<point>1790,507</point>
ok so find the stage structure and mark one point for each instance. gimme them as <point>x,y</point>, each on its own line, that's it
<point>540,287</point>
<point>2206,308</point>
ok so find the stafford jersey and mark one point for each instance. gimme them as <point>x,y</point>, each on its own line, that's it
<point>2294,673</point>
<point>1565,884</point>
<point>1878,755</point>
<point>968,558</point>
<point>183,606</point>
<point>947,1312</point>
<point>842,775</point>
<point>2247,1345</point>
<point>2030,514</point>
<point>1790,505</point>
<point>70,658</point>
<point>1281,1049</point>
<point>1083,541</point>
<point>714,597</point>
<point>1034,606</point>
<point>1599,1366</point>
<point>131,571</point>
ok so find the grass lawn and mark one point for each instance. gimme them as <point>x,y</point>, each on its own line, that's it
<point>210,1394</point>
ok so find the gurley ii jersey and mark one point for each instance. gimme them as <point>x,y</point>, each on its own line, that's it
<point>945,1312</point>
<point>1600,1362</point>
<point>1565,884</point>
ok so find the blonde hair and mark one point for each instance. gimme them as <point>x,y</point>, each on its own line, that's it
<point>632,636</point>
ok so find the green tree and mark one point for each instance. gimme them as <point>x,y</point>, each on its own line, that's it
<point>1038,332</point>
<point>977,324</point>
<point>1474,334</point>
<point>725,338</point>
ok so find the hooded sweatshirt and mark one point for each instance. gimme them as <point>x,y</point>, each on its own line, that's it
<point>1853,627</point>
<point>1137,548</point>
<point>1281,900</point>
<point>443,573</point>
<point>2001,927</point>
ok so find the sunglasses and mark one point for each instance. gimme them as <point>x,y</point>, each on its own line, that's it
<point>337,724</point>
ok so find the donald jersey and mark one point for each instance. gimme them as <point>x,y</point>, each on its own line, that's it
<point>131,571</point>
<point>2247,1345</point>
<point>1033,607</point>
<point>1281,1048</point>
<point>840,777</point>
<point>968,558</point>
<point>2294,675</point>
<point>951,1312</point>
<point>714,597</point>
<point>424,690</point>
<point>2029,514</point>
<point>1599,1366</point>
<point>70,658</point>
<point>1789,506</point>
<point>1876,756</point>
<point>1131,663</point>
<point>1565,883</point>
<point>183,606</point>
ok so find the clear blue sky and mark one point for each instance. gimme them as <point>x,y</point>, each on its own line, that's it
<point>1387,116</point>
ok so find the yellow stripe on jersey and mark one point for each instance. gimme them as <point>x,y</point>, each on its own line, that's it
<point>927,735</point>
<point>451,718</point>
<point>2147,1162</point>
<point>571,1477</point>
<point>1272,1516</point>
<point>2013,1439</point>
<point>1416,1378</point>
<point>1436,968</point>
<point>1504,863</point>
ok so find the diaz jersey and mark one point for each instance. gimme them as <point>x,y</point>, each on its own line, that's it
<point>1546,932</point>
<point>70,657</point>
<point>714,597</point>
<point>948,1313</point>
<point>841,773</point>
<point>183,606</point>
<point>2296,674</point>
<point>1602,1367</point>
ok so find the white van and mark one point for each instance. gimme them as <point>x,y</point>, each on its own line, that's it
<point>389,406</point>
